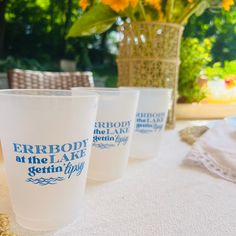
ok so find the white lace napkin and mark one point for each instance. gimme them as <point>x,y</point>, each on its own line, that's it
<point>216,151</point>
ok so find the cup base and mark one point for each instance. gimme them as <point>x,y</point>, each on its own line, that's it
<point>42,225</point>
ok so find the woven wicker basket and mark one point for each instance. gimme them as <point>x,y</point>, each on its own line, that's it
<point>149,57</point>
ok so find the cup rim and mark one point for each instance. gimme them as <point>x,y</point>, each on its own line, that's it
<point>147,88</point>
<point>106,90</point>
<point>10,93</point>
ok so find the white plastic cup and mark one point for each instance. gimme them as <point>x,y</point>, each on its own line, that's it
<point>150,123</point>
<point>46,138</point>
<point>112,133</point>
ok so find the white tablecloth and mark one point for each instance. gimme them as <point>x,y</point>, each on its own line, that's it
<point>158,197</point>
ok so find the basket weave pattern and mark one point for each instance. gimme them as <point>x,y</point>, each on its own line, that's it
<point>149,57</point>
<point>27,79</point>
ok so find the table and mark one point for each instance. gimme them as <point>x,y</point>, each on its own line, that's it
<point>158,197</point>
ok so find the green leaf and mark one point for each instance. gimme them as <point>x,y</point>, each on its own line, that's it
<point>97,19</point>
<point>202,7</point>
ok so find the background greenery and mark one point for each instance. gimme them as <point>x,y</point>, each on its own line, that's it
<point>32,36</point>
<point>195,55</point>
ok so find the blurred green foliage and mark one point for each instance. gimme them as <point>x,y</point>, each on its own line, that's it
<point>211,57</point>
<point>32,36</point>
<point>36,30</point>
<point>25,63</point>
<point>218,25</point>
<point>195,55</point>
<point>220,70</point>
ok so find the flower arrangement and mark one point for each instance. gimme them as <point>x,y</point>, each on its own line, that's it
<point>98,16</point>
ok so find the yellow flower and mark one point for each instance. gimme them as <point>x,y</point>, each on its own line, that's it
<point>120,5</point>
<point>84,4</point>
<point>117,5</point>
<point>227,4</point>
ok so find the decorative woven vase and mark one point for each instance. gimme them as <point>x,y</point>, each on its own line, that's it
<point>149,57</point>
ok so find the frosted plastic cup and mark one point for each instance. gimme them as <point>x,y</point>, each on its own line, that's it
<point>46,138</point>
<point>112,133</point>
<point>150,123</point>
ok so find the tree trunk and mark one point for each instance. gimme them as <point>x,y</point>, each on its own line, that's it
<point>67,25</point>
<point>53,35</point>
<point>68,16</point>
<point>3,4</point>
<point>103,47</point>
